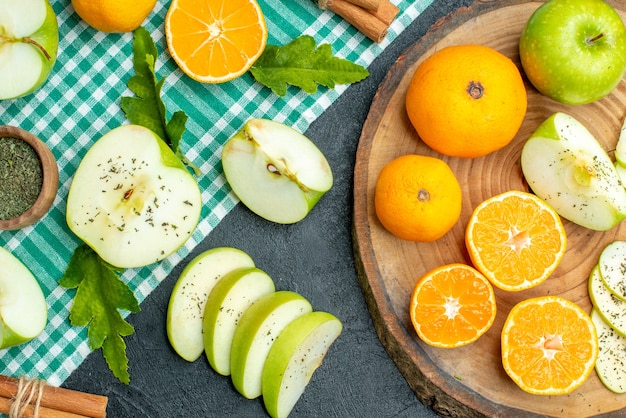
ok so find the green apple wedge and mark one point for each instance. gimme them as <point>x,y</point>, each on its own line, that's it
<point>258,328</point>
<point>610,365</point>
<point>277,172</point>
<point>29,39</point>
<point>23,307</point>
<point>187,302</point>
<point>612,265</point>
<point>131,198</point>
<point>611,309</point>
<point>295,355</point>
<point>227,302</point>
<point>568,168</point>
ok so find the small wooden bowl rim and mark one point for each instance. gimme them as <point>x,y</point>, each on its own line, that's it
<point>50,183</point>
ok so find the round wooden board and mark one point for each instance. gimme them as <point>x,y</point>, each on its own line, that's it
<point>470,381</point>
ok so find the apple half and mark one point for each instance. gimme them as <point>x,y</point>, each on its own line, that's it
<point>295,355</point>
<point>23,307</point>
<point>568,168</point>
<point>610,365</point>
<point>29,39</point>
<point>187,302</point>
<point>277,172</point>
<point>257,330</point>
<point>132,200</point>
<point>227,302</point>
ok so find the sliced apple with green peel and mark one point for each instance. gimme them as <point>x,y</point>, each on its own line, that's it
<point>620,147</point>
<point>610,308</point>
<point>132,200</point>
<point>277,172</point>
<point>610,365</point>
<point>295,355</point>
<point>568,168</point>
<point>612,264</point>
<point>258,328</point>
<point>23,307</point>
<point>227,302</point>
<point>190,293</point>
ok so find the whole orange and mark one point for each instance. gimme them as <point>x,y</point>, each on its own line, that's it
<point>466,100</point>
<point>417,198</point>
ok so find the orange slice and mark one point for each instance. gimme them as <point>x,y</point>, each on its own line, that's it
<point>214,41</point>
<point>452,305</point>
<point>549,345</point>
<point>516,240</point>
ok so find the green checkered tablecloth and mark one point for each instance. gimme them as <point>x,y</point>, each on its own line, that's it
<point>81,101</point>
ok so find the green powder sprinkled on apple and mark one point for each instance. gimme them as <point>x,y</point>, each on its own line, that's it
<point>21,177</point>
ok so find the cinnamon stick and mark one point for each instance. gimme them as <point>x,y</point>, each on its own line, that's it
<point>371,5</point>
<point>386,12</point>
<point>364,21</point>
<point>55,402</point>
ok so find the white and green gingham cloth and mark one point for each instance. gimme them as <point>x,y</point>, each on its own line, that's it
<point>81,101</point>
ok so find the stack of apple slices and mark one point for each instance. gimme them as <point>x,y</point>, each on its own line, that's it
<point>270,342</point>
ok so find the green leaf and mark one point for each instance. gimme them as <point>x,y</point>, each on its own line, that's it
<point>100,296</point>
<point>303,64</point>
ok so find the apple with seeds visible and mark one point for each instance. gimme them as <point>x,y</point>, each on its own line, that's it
<point>23,307</point>
<point>574,51</point>
<point>29,38</point>
<point>132,200</point>
<point>277,172</point>
<point>568,168</point>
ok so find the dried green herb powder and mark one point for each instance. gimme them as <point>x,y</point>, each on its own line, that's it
<point>21,177</point>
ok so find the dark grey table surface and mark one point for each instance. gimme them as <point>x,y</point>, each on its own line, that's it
<point>313,257</point>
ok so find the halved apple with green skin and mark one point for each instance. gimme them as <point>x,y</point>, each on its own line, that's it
<point>190,293</point>
<point>259,326</point>
<point>23,307</point>
<point>568,168</point>
<point>277,172</point>
<point>295,355</point>
<point>132,200</point>
<point>227,302</point>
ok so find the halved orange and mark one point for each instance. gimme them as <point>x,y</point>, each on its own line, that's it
<point>549,345</point>
<point>516,240</point>
<point>214,41</point>
<point>452,305</point>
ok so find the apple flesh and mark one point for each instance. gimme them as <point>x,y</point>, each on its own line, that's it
<point>188,298</point>
<point>257,330</point>
<point>610,365</point>
<point>132,200</point>
<point>23,307</point>
<point>611,309</point>
<point>568,168</point>
<point>612,265</point>
<point>295,355</point>
<point>574,51</point>
<point>277,172</point>
<point>29,38</point>
<point>230,298</point>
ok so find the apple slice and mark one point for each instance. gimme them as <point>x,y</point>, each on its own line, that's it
<point>568,168</point>
<point>190,293</point>
<point>277,172</point>
<point>131,199</point>
<point>611,309</point>
<point>610,365</point>
<point>612,264</point>
<point>29,39</point>
<point>23,307</point>
<point>258,328</point>
<point>295,355</point>
<point>229,299</point>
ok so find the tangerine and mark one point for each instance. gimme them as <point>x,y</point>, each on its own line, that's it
<point>466,101</point>
<point>417,198</point>
<point>114,16</point>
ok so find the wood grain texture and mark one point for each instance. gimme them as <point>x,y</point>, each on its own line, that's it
<point>470,381</point>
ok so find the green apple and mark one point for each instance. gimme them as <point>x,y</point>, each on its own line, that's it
<point>131,198</point>
<point>190,293</point>
<point>612,264</point>
<point>574,51</point>
<point>277,172</point>
<point>23,307</point>
<point>227,302</point>
<point>610,365</point>
<point>568,168</point>
<point>611,309</point>
<point>295,355</point>
<point>258,328</point>
<point>29,38</point>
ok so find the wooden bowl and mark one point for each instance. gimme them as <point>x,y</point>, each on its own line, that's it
<point>50,183</point>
